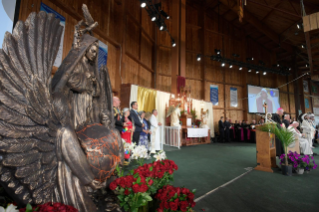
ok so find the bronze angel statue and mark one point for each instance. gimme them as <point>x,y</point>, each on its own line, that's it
<point>56,135</point>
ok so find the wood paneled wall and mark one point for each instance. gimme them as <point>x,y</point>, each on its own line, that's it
<point>141,54</point>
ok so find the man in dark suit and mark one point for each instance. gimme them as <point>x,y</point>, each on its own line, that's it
<point>227,130</point>
<point>286,120</point>
<point>119,125</point>
<point>221,128</point>
<point>134,117</point>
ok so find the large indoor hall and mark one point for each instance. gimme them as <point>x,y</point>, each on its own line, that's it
<point>159,105</point>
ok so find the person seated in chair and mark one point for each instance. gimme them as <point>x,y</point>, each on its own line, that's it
<point>303,142</point>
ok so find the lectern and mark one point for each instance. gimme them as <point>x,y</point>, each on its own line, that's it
<point>266,151</point>
<point>265,148</point>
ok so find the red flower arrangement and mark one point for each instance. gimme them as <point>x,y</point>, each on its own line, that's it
<point>135,189</point>
<point>49,207</point>
<point>175,199</point>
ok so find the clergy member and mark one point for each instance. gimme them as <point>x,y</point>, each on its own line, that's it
<point>221,127</point>
<point>227,129</point>
<point>303,142</point>
<point>155,135</point>
<point>276,118</point>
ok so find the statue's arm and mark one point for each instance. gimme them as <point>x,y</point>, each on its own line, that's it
<point>75,157</point>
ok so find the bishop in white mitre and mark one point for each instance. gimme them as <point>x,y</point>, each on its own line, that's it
<point>155,136</point>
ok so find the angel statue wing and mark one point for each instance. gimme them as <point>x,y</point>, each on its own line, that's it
<point>28,123</point>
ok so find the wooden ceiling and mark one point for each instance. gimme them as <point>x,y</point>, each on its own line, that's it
<point>273,23</point>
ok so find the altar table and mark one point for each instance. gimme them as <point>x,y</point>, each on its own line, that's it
<point>195,136</point>
<point>197,132</point>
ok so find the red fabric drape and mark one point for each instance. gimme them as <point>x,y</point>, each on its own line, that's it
<point>181,81</point>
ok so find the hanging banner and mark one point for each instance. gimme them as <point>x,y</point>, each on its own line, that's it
<point>233,97</point>
<point>314,89</point>
<point>315,101</point>
<point>305,86</point>
<point>102,54</point>
<point>214,94</point>
<point>47,9</point>
<point>316,110</point>
<point>307,103</point>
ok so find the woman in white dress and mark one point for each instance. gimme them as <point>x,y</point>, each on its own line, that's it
<point>303,142</point>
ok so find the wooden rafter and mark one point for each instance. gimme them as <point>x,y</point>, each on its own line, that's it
<point>258,24</point>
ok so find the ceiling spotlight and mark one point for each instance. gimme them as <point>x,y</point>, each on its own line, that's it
<point>289,69</point>
<point>264,73</point>
<point>164,14</point>
<point>303,46</point>
<point>230,66</point>
<point>278,65</point>
<point>299,26</point>
<point>161,27</point>
<point>173,43</point>
<point>240,68</point>
<point>307,65</point>
<point>249,58</point>
<point>249,70</point>
<point>252,58</point>
<point>257,72</point>
<point>153,17</point>
<point>199,57</point>
<point>223,64</point>
<point>217,51</point>
<point>143,3</point>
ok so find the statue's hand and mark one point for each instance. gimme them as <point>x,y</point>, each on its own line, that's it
<point>96,185</point>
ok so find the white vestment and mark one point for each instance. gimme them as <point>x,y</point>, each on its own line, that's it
<point>155,136</point>
<point>306,129</point>
<point>303,143</point>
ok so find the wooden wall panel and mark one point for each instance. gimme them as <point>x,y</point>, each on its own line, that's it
<point>193,39</point>
<point>235,115</point>
<point>284,103</point>
<point>130,71</point>
<point>196,87</point>
<point>145,78</point>
<point>164,83</point>
<point>147,24</point>
<point>213,71</point>
<point>193,67</point>
<point>164,61</point>
<point>292,103</point>
<point>146,51</point>
<point>132,38</point>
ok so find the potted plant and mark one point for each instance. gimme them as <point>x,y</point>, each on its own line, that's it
<point>310,163</point>
<point>294,159</point>
<point>286,137</point>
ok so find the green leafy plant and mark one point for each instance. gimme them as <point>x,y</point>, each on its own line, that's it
<point>285,136</point>
<point>193,112</point>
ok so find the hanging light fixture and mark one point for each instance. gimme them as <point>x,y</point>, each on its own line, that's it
<point>223,64</point>
<point>249,70</point>
<point>240,68</point>
<point>163,13</point>
<point>230,66</point>
<point>257,72</point>
<point>264,73</point>
<point>217,51</point>
<point>199,57</point>
<point>143,3</point>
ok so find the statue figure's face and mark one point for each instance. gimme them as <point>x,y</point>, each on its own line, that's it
<point>91,54</point>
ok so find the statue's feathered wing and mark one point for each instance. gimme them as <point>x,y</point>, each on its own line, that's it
<point>28,125</point>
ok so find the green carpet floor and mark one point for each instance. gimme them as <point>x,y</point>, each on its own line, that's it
<point>207,167</point>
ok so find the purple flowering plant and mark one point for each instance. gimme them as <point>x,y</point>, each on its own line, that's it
<point>307,162</point>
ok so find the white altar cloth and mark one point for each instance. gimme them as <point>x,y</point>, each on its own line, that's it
<point>197,132</point>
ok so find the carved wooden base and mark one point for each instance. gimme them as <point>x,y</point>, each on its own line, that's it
<point>193,141</point>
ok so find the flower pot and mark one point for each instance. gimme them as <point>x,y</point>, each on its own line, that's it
<point>300,170</point>
<point>286,170</point>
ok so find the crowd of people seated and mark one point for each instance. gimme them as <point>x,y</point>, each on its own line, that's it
<point>305,130</point>
<point>139,127</point>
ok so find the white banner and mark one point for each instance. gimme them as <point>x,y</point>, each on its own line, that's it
<point>233,97</point>
<point>197,132</point>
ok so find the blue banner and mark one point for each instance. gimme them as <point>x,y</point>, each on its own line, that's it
<point>307,103</point>
<point>233,97</point>
<point>214,94</point>
<point>102,54</point>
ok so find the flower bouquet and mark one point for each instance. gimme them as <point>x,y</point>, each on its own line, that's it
<point>139,153</point>
<point>135,189</point>
<point>9,208</point>
<point>175,199</point>
<point>49,207</point>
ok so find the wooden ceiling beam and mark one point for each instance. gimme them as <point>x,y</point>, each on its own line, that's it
<point>232,4</point>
